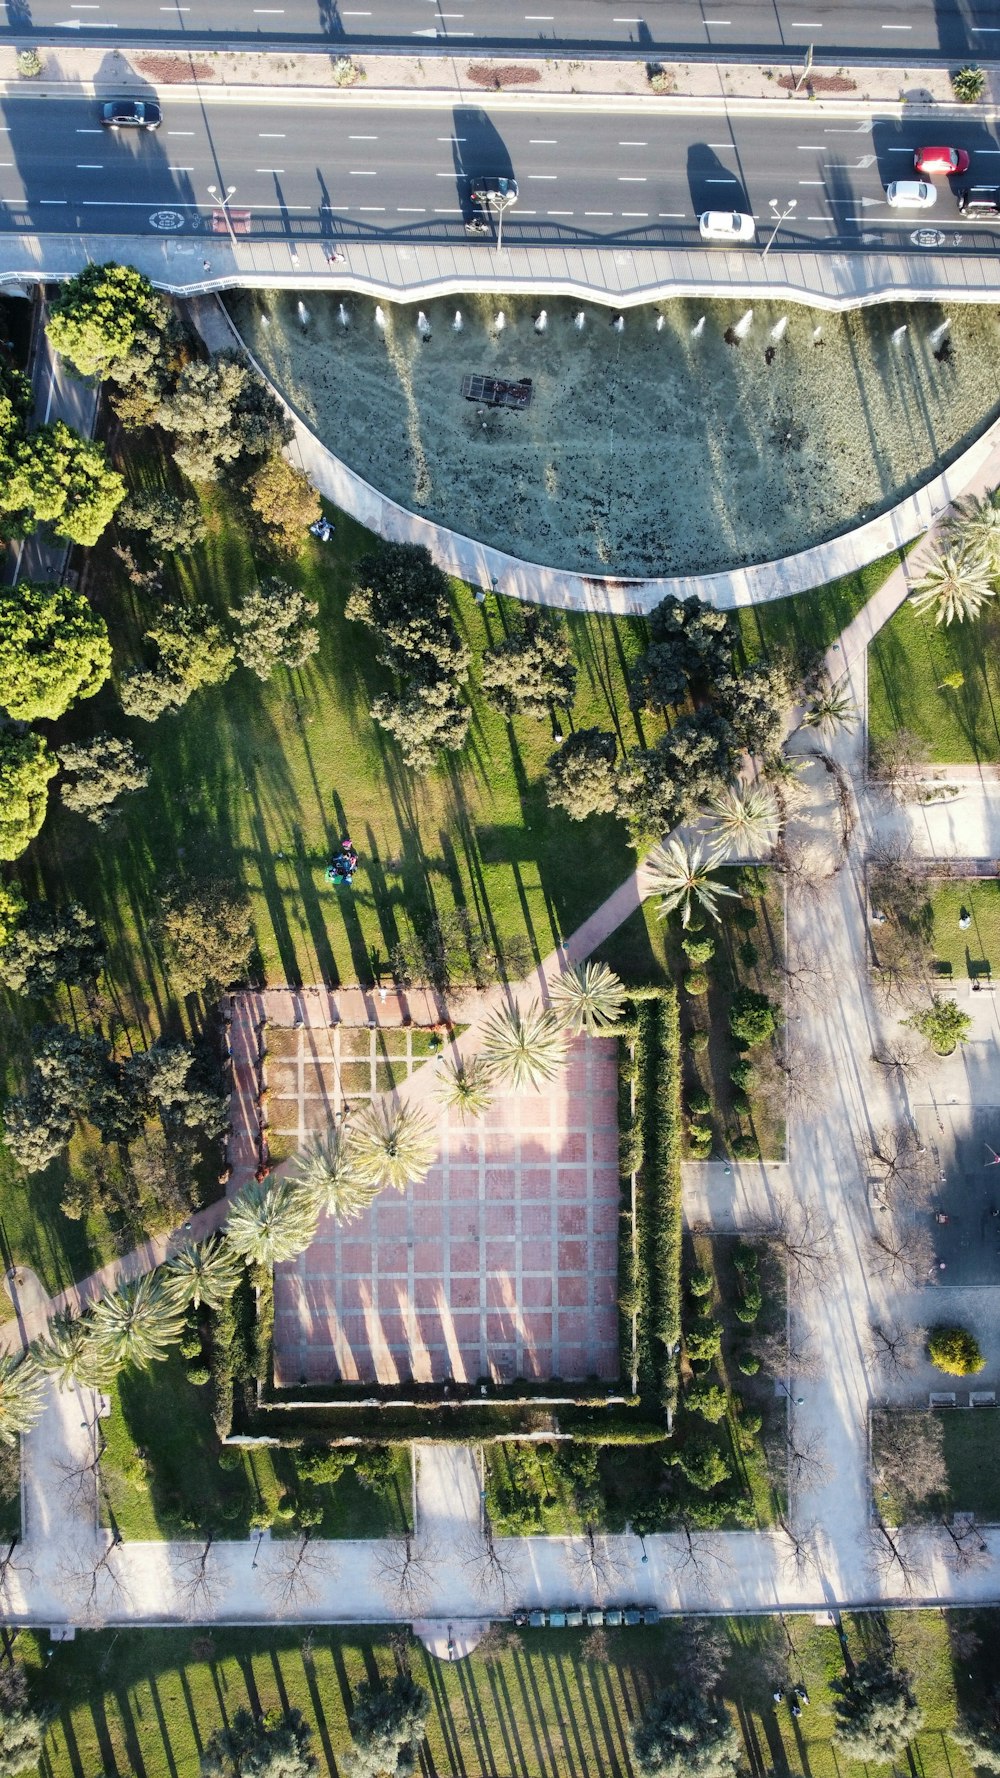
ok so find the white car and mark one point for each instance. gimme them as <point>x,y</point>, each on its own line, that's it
<point>726,225</point>
<point>911,194</point>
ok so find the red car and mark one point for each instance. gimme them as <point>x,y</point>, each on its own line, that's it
<point>940,160</point>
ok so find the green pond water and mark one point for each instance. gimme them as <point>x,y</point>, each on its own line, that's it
<point>688,439</point>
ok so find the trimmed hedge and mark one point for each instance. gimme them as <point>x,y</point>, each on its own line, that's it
<point>633,1279</point>
<point>398,1425</point>
<point>233,1348</point>
<point>661,1180</point>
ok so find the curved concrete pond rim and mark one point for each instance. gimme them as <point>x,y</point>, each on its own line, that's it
<point>494,570</point>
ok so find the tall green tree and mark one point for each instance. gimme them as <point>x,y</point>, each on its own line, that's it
<point>403,597</point>
<point>326,1171</point>
<point>684,877</point>
<point>270,1223</point>
<point>588,997</point>
<point>877,1713</point>
<point>52,945</point>
<point>94,320</point>
<point>203,1274</point>
<point>275,628</point>
<point>580,778</point>
<point>53,649</point>
<point>387,1725</point>
<point>682,1733</point>
<point>275,1745</point>
<point>658,786</point>
<point>194,649</point>
<point>26,765</point>
<point>206,933</point>
<point>284,502</point>
<point>60,1086</point>
<point>22,1729</point>
<point>977,1732</point>
<point>100,771</point>
<point>955,585</point>
<point>201,413</point>
<point>167,521</point>
<point>136,1324</point>
<point>523,1049</point>
<point>66,481</point>
<point>392,1146</point>
<point>428,717</point>
<point>530,670</point>
<point>691,645</point>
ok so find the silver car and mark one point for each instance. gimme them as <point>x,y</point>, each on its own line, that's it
<point>911,194</point>
<point>726,225</point>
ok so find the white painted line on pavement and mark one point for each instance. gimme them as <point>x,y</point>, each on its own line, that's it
<point>411,210</point>
<point>49,201</point>
<point>632,179</point>
<point>259,169</point>
<point>730,180</point>
<point>558,212</point>
<point>271,135</point>
<point>720,144</point>
<point>897,27</point>
<point>90,166</point>
<point>542,141</point>
<point>812,181</point>
<point>716,21</point>
<point>811,147</point>
<point>89,132</point>
<point>452,212</point>
<point>543,175</point>
<point>633,144</point>
<point>636,213</point>
<point>598,212</point>
<point>372,208</point>
<point>806,25</point>
<point>180,169</point>
<point>174,132</point>
<point>366,173</point>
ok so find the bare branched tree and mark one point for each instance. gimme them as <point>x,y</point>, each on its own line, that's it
<point>15,1570</point>
<point>901,1164</point>
<point>905,1056</point>
<point>900,1250</point>
<point>795,1075</point>
<point>197,1580</point>
<point>97,1587</point>
<point>404,1569</point>
<point>696,1553</point>
<point>797,1547</point>
<point>895,761</point>
<point>901,931</point>
<point>965,1547</point>
<point>808,983</point>
<point>908,1461</point>
<point>789,1349</point>
<point>808,1464</point>
<point>804,1239</point>
<point>596,1564</point>
<point>893,1349</point>
<point>894,1557</point>
<point>494,1564</point>
<point>294,1571</point>
<point>80,1479</point>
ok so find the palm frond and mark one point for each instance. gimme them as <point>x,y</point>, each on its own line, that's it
<point>269,1223</point>
<point>745,817</point>
<point>203,1272</point>
<point>136,1323</point>
<point>69,1353</point>
<point>956,584</point>
<point>588,997</point>
<point>523,1049</point>
<point>466,1087</point>
<point>22,1396</point>
<point>327,1172</point>
<point>683,875</point>
<point>393,1146</point>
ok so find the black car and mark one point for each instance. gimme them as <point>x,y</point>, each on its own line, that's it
<point>981,201</point>
<point>130,114</point>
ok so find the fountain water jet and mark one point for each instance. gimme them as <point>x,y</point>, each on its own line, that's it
<point>579,321</point>
<point>541,321</point>
<point>938,333</point>
<point>499,321</point>
<point>303,313</point>
<point>619,324</point>
<point>457,324</point>
<point>660,323</point>
<point>423,325</point>
<point>897,334</point>
<point>743,325</point>
<point>698,328</point>
<point>342,315</point>
<point>779,329</point>
<point>380,317</point>
<point>817,335</point>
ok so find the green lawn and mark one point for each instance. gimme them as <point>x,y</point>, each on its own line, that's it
<point>909,664</point>
<point>552,1705</point>
<point>807,623</point>
<point>976,950</point>
<point>162,1477</point>
<point>970,1451</point>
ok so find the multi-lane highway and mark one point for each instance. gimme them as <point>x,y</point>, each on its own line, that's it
<point>353,172</point>
<point>839,29</point>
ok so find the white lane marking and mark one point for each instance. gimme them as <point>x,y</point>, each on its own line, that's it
<point>47,201</point>
<point>812,181</point>
<point>373,207</point>
<point>174,132</point>
<point>89,132</point>
<point>908,151</point>
<point>631,178</point>
<point>440,138</point>
<point>598,212</point>
<point>670,215</point>
<point>716,21</point>
<point>720,144</point>
<point>180,169</point>
<point>89,167</point>
<point>411,210</point>
<point>986,30</point>
<point>271,135</point>
<point>362,138</point>
<point>6,163</point>
<point>985,151</point>
<point>730,180</point>
<point>267,169</point>
<point>542,141</point>
<point>269,10</point>
<point>897,27</point>
<point>806,25</point>
<point>633,144</point>
<point>367,173</point>
<point>558,212</point>
<point>635,213</point>
<point>811,147</point>
<point>626,21</point>
<point>438,212</point>
<point>539,18</point>
<point>543,175</point>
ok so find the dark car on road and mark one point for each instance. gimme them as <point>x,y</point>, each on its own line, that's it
<point>130,114</point>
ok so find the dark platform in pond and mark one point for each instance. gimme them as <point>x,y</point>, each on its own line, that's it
<point>495,392</point>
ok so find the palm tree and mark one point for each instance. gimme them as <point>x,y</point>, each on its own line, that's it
<point>392,1146</point>
<point>956,585</point>
<point>974,524</point>
<point>327,1173</point>
<point>136,1323</point>
<point>22,1396</point>
<point>831,707</point>
<point>466,1087</point>
<point>69,1353</point>
<point>682,876</point>
<point>203,1272</point>
<point>588,997</point>
<point>746,817</point>
<point>523,1049</point>
<point>271,1223</point>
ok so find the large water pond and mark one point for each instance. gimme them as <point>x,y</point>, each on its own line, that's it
<point>675,439</point>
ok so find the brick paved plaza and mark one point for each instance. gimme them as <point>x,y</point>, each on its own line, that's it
<point>502,1263</point>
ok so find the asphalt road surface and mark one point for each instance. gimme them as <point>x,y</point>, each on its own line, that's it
<point>839,29</point>
<point>625,176</point>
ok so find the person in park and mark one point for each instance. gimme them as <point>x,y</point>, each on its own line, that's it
<point>342,870</point>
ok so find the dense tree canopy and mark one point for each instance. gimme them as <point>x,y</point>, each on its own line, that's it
<point>101,770</point>
<point>284,501</point>
<point>194,649</point>
<point>387,1723</point>
<point>52,945</point>
<point>207,936</point>
<point>659,785</point>
<point>691,644</point>
<point>59,478</point>
<point>425,719</point>
<point>94,320</point>
<point>684,1734</point>
<point>272,1746</point>
<point>531,669</point>
<point>276,628</point>
<point>581,775</point>
<point>167,521</point>
<point>403,597</point>
<point>877,1713</point>
<point>39,1122</point>
<point>21,1728</point>
<point>53,649</point>
<point>218,411</point>
<point>26,765</point>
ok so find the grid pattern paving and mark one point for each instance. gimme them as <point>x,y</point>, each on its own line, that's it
<point>502,1263</point>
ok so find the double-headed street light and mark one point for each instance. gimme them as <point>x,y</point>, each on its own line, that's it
<point>213,192</point>
<point>779,217</point>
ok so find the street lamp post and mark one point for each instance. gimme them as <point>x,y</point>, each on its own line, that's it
<point>213,192</point>
<point>642,1540</point>
<point>779,216</point>
<point>797,1399</point>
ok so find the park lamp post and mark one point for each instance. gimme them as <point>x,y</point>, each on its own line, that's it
<point>779,217</point>
<point>500,201</point>
<point>213,192</point>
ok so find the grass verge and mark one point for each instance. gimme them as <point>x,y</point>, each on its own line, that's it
<point>941,684</point>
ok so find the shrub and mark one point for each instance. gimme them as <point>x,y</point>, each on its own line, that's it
<point>699,1102</point>
<point>749,954</point>
<point>741,1074</point>
<point>750,1303</point>
<point>944,1024</point>
<point>199,1374</point>
<point>748,1364</point>
<point>700,1137</point>
<point>695,983</point>
<point>29,64</point>
<point>708,1400</point>
<point>968,85</point>
<point>701,1283</point>
<point>746,1148</point>
<point>746,1261</point>
<point>703,1340</point>
<point>743,917</point>
<point>190,1345</point>
<point>956,1351</point>
<point>697,1043</point>
<point>704,1465</point>
<point>698,950</point>
<point>752,1018</point>
<point>230,1458</point>
<point>741,1103</point>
